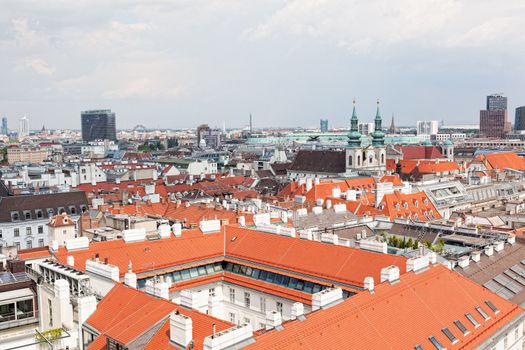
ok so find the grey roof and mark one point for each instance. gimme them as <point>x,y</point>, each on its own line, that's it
<point>322,161</point>
<point>70,202</point>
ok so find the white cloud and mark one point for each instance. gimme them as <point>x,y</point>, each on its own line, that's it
<point>39,66</point>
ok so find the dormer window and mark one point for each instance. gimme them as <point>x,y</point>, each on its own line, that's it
<point>39,214</point>
<point>405,205</point>
<point>27,215</point>
<point>83,208</point>
<point>416,203</point>
<point>61,210</point>
<point>73,210</point>
<point>15,216</point>
<point>50,212</point>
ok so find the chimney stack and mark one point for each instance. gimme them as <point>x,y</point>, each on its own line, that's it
<point>181,329</point>
<point>273,319</point>
<point>369,284</point>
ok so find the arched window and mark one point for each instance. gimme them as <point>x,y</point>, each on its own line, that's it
<point>358,160</point>
<point>382,158</point>
<point>350,160</point>
<point>370,159</point>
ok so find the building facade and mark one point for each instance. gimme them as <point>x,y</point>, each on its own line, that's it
<point>429,127</point>
<point>98,125</point>
<point>208,137</point>
<point>323,125</point>
<point>519,121</point>
<point>23,127</point>
<point>494,123</point>
<point>496,102</point>
<point>27,154</point>
<point>4,126</point>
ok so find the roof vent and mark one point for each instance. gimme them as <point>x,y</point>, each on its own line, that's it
<point>273,320</point>
<point>297,311</point>
<point>326,298</point>
<point>390,274</point>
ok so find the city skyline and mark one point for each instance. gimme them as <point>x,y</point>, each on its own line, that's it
<point>139,61</point>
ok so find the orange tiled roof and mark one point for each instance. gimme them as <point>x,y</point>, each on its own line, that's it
<point>125,313</point>
<point>394,179</point>
<point>149,255</point>
<point>308,257</point>
<point>502,160</point>
<point>421,305</point>
<point>61,220</point>
<point>34,253</point>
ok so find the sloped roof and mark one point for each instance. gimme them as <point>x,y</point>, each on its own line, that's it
<point>421,152</point>
<point>125,313</point>
<point>330,162</point>
<point>338,263</point>
<point>503,160</point>
<point>421,305</point>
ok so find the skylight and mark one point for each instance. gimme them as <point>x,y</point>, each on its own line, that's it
<point>482,313</point>
<point>461,327</point>
<point>492,306</point>
<point>449,335</point>
<point>472,320</point>
<point>436,343</point>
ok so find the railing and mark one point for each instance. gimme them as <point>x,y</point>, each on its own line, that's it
<point>20,319</point>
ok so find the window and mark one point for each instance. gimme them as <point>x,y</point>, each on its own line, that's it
<point>358,160</point>
<point>40,229</point>
<point>382,159</point>
<point>482,313</point>
<point>211,292</point>
<point>232,317</point>
<point>28,231</point>
<point>247,299</point>
<point>0,233</point>
<point>50,309</point>
<point>15,216</point>
<point>350,160</point>
<point>17,245</point>
<point>16,232</point>
<point>261,325</point>
<point>436,343</point>
<point>247,320</point>
<point>506,341</point>
<point>262,302</point>
<point>516,334</point>
<point>27,215</point>
<point>39,214</point>
<point>50,212</point>
<point>461,327</point>
<point>472,320</point>
<point>232,296</point>
<point>450,335</point>
<point>41,242</point>
<point>29,244</point>
<point>279,307</point>
<point>492,306</point>
<point>73,210</point>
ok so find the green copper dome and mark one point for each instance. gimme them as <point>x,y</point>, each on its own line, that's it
<point>427,143</point>
<point>448,143</point>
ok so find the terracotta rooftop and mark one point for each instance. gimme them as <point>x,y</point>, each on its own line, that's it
<point>422,305</point>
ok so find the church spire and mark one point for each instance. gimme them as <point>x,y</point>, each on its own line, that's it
<point>354,137</point>
<point>378,136</point>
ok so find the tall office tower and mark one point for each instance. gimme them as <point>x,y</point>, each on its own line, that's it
<point>98,125</point>
<point>23,127</point>
<point>519,121</point>
<point>365,128</point>
<point>429,127</point>
<point>496,102</point>
<point>493,121</point>
<point>4,126</point>
<point>324,125</point>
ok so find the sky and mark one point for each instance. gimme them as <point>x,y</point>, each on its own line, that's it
<point>179,63</point>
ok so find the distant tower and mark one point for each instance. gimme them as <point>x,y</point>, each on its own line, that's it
<point>392,128</point>
<point>354,137</point>
<point>251,125</point>
<point>23,127</point>
<point>324,125</point>
<point>448,149</point>
<point>4,126</point>
<point>378,136</point>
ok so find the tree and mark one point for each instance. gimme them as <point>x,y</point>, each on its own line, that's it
<point>410,243</point>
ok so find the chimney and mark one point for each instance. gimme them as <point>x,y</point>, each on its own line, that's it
<point>158,289</point>
<point>326,298</point>
<point>177,229</point>
<point>316,180</point>
<point>463,262</point>
<point>308,184</point>
<point>181,329</point>
<point>476,256</point>
<point>273,320</point>
<point>328,204</point>
<point>498,246</point>
<point>511,239</point>
<point>297,311</point>
<point>390,274</point>
<point>130,278</point>
<point>369,284</point>
<point>489,250</point>
<point>71,260</point>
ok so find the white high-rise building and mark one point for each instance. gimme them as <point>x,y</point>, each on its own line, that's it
<point>23,127</point>
<point>427,127</point>
<point>366,128</point>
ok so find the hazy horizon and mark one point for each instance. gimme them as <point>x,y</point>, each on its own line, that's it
<point>178,64</point>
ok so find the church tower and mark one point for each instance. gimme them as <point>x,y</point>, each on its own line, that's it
<point>354,152</point>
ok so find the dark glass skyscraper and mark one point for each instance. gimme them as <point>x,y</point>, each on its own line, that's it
<point>98,125</point>
<point>4,126</point>
<point>496,102</point>
<point>519,121</point>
